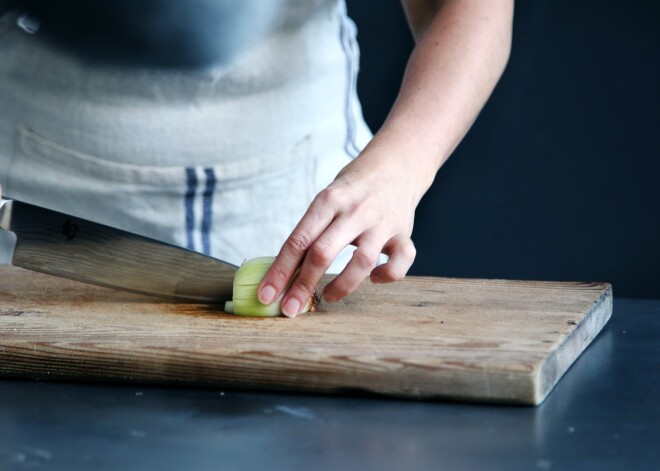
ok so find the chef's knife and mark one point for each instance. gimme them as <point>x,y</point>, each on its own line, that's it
<point>81,250</point>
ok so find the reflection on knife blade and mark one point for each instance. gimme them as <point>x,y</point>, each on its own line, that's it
<point>81,250</point>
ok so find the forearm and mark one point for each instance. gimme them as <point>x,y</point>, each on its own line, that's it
<point>462,49</point>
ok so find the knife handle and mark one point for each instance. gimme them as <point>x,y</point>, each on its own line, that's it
<point>5,214</point>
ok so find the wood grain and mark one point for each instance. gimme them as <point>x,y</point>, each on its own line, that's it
<point>477,340</point>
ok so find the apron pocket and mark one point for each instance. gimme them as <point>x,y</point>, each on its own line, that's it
<point>231,211</point>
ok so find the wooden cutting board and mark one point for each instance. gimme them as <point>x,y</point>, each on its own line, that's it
<point>478,340</point>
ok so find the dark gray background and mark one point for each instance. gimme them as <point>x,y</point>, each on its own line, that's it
<point>558,179</point>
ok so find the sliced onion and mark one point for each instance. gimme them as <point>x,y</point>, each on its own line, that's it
<point>246,283</point>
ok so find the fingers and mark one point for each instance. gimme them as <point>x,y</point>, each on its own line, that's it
<point>319,257</point>
<point>402,255</point>
<point>317,218</point>
<point>340,215</point>
<point>358,268</point>
<point>321,254</point>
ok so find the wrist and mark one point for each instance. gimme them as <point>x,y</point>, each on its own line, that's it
<point>412,155</point>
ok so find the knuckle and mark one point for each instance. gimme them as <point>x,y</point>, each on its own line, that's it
<point>298,243</point>
<point>320,255</point>
<point>329,196</point>
<point>364,261</point>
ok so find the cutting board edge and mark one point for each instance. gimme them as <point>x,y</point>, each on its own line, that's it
<point>525,399</point>
<point>562,358</point>
<point>501,385</point>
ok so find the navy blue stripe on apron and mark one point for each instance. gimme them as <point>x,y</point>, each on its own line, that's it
<point>207,210</point>
<point>194,176</point>
<point>351,76</point>
<point>189,201</point>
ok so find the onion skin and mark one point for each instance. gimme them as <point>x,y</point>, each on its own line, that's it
<point>246,282</point>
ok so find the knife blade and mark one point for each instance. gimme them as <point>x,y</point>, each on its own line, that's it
<point>70,247</point>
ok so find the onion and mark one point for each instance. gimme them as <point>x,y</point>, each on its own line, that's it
<point>246,283</point>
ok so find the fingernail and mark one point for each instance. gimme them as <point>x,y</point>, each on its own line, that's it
<point>267,294</point>
<point>291,308</point>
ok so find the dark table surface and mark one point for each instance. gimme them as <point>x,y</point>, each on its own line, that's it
<point>604,414</point>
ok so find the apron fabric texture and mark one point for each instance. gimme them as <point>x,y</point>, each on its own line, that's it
<point>222,160</point>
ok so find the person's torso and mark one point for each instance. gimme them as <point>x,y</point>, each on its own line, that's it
<point>200,154</point>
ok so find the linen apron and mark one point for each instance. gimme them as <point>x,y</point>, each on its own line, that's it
<point>222,160</point>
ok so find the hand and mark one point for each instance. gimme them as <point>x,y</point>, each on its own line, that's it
<point>371,205</point>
